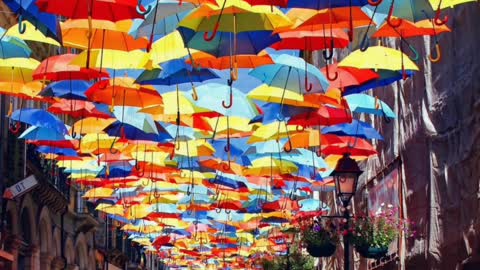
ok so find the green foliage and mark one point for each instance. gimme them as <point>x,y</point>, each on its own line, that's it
<point>296,259</point>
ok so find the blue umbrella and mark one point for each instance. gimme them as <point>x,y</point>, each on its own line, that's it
<point>292,73</point>
<point>356,128</point>
<point>69,89</point>
<point>130,132</point>
<point>175,72</point>
<point>211,96</point>
<point>403,9</point>
<point>387,77</point>
<point>247,43</point>
<point>46,23</point>
<point>57,151</point>
<point>40,118</point>
<point>11,47</point>
<point>43,134</point>
<point>363,103</point>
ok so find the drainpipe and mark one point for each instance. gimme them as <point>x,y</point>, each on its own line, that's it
<point>3,202</point>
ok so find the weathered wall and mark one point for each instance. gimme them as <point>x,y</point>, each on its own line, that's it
<point>437,135</point>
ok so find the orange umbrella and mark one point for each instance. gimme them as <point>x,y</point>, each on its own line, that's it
<point>77,109</point>
<point>57,68</point>
<point>357,147</point>
<point>124,92</point>
<point>103,35</point>
<point>204,60</point>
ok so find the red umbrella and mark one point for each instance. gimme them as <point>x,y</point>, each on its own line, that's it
<point>280,3</point>
<point>77,109</point>
<point>348,76</point>
<point>111,10</point>
<point>312,40</point>
<point>58,68</point>
<point>324,116</point>
<point>357,147</point>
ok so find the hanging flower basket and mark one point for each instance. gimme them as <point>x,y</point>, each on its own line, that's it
<point>326,249</point>
<point>372,252</point>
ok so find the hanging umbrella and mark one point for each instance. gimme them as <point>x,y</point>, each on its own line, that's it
<point>39,118</point>
<point>13,47</point>
<point>113,10</point>
<point>31,33</point>
<point>349,76</point>
<point>123,92</point>
<point>71,89</point>
<point>114,59</point>
<point>312,40</point>
<point>387,77</point>
<point>356,129</point>
<point>204,60</point>
<point>103,35</point>
<point>362,103</point>
<point>28,11</point>
<point>324,116</point>
<point>17,69</point>
<point>58,68</point>
<point>386,10</point>
<point>77,109</point>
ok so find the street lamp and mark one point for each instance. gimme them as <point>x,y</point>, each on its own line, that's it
<point>346,175</point>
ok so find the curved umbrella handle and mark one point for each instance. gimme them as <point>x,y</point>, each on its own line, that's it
<point>308,86</point>
<point>415,52</point>
<point>22,27</point>
<point>228,211</point>
<point>437,20</point>
<point>226,166</point>
<point>328,55</point>
<point>140,12</point>
<point>299,128</point>
<point>227,147</point>
<point>156,194</point>
<point>335,76</point>
<point>194,93</point>
<point>390,20</point>
<point>113,151</point>
<point>374,3</point>
<point>15,128</point>
<point>214,33</point>
<point>218,210</point>
<point>172,154</point>
<point>404,73</point>
<point>224,104</point>
<point>318,152</point>
<point>288,147</point>
<point>438,53</point>
<point>145,184</point>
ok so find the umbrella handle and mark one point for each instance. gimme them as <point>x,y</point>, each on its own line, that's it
<point>172,154</point>
<point>15,128</point>
<point>415,52</point>
<point>365,43</point>
<point>140,12</point>
<point>218,210</point>
<point>227,166</point>
<point>318,152</point>
<point>180,2</point>
<point>194,93</point>
<point>437,20</point>
<point>404,73</point>
<point>308,86</point>
<point>288,147</point>
<point>22,27</point>
<point>214,33</point>
<point>234,72</point>
<point>374,3</point>
<point>438,53</point>
<point>145,184</point>
<point>113,151</point>
<point>156,194</point>
<point>228,211</point>
<point>224,104</point>
<point>335,76</point>
<point>328,53</point>
<point>390,20</point>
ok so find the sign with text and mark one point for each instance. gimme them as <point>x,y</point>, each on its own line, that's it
<point>20,188</point>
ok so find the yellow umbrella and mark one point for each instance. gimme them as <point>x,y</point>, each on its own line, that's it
<point>448,3</point>
<point>116,209</point>
<point>138,211</point>
<point>272,131</point>
<point>235,124</point>
<point>92,142</point>
<point>273,94</point>
<point>269,166</point>
<point>92,125</point>
<point>29,90</point>
<point>114,59</point>
<point>31,34</point>
<point>194,148</point>
<point>170,106</point>
<point>17,69</point>
<point>378,57</point>
<point>168,48</point>
<point>156,158</point>
<point>100,192</point>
